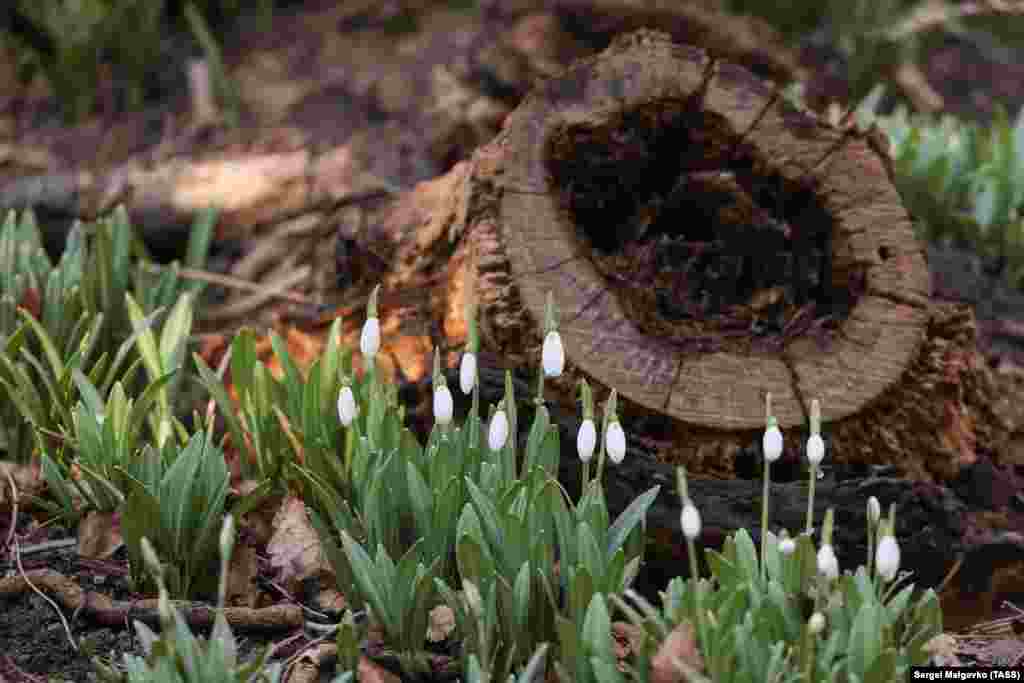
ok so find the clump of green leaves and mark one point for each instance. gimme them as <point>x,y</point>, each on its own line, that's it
<point>176,655</point>
<point>79,316</point>
<point>177,499</point>
<point>68,41</point>
<point>965,182</point>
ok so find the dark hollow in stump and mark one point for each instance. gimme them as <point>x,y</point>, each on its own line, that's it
<point>706,242</point>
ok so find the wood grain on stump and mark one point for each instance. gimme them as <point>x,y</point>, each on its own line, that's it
<point>648,120</point>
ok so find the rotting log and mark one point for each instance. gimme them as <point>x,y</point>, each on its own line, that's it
<point>706,243</point>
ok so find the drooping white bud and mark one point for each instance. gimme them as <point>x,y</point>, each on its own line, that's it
<point>815,449</point>
<point>828,563</point>
<point>369,339</point>
<point>443,405</point>
<point>586,440</point>
<point>887,557</point>
<point>874,511</point>
<point>787,546</point>
<point>615,442</point>
<point>816,624</point>
<point>553,354</point>
<point>467,372</point>
<point>771,443</point>
<point>689,519</point>
<point>347,408</point>
<point>497,434</point>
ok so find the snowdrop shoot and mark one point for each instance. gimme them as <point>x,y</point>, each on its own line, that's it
<point>828,563</point>
<point>874,514</point>
<point>552,355</point>
<point>690,522</point>
<point>815,444</point>
<point>771,445</point>
<point>369,339</point>
<point>468,366</point>
<point>346,406</point>
<point>815,454</point>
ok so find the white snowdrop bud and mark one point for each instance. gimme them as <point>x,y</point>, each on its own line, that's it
<point>615,442</point>
<point>467,372</point>
<point>369,340</point>
<point>887,557</point>
<point>787,546</point>
<point>346,406</point>
<point>772,442</point>
<point>553,354</point>
<point>816,624</point>
<point>815,449</point>
<point>874,511</point>
<point>443,405</point>
<point>497,434</point>
<point>689,519</point>
<point>586,440</point>
<point>828,563</point>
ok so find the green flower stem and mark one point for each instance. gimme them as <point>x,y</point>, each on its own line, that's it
<point>807,665</point>
<point>871,550</point>
<point>810,500</point>
<point>764,518</point>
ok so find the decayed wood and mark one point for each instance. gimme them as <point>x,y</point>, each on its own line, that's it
<point>900,381</point>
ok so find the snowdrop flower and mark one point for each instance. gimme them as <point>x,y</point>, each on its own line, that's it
<point>828,563</point>
<point>689,519</point>
<point>815,449</point>
<point>787,545</point>
<point>887,557</point>
<point>347,408</point>
<point>369,339</point>
<point>443,406</point>
<point>467,372</point>
<point>553,354</point>
<point>497,434</point>
<point>615,441</point>
<point>771,443</point>
<point>586,440</point>
<point>815,444</point>
<point>816,624</point>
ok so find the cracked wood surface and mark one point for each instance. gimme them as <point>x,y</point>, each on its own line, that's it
<point>872,239</point>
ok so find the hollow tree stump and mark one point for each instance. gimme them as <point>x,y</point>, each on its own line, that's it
<point>705,242</point>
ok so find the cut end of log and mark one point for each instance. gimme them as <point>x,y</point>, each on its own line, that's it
<point>707,242</point>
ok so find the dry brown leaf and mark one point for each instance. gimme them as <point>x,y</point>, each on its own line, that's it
<point>680,646</point>
<point>294,548</point>
<point>99,535</point>
<point>26,479</point>
<point>371,672</point>
<point>442,623</point>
